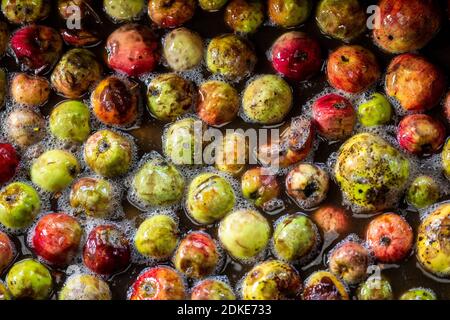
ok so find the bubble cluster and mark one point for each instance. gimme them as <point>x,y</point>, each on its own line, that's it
<point>130,211</point>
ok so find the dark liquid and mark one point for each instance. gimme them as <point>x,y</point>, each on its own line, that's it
<point>403,276</point>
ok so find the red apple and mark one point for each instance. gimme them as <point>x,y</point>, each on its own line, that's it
<point>352,69</point>
<point>415,82</point>
<point>421,134</point>
<point>107,250</point>
<point>334,117</point>
<point>197,255</point>
<point>7,251</point>
<point>56,238</point>
<point>331,218</point>
<point>133,49</point>
<point>350,261</point>
<point>406,25</point>
<point>296,56</point>
<point>158,283</point>
<point>390,237</point>
<point>36,48</point>
<point>9,161</point>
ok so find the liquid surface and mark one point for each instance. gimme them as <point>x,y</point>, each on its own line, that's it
<point>148,137</point>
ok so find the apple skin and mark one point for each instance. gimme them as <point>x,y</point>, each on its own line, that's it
<point>288,13</point>
<point>271,280</point>
<point>334,117</point>
<point>7,251</point>
<point>108,153</point>
<point>366,174</point>
<point>29,279</point>
<point>133,49</point>
<point>406,25</point>
<point>307,184</point>
<point>323,285</point>
<point>244,234</point>
<point>197,255</point>
<point>390,238</point>
<point>183,49</point>
<point>350,262</point>
<point>212,5</point>
<point>243,16</point>
<point>296,56</point>
<point>54,170</point>
<point>259,187</point>
<point>36,48</point>
<point>212,289</point>
<point>56,238</point>
<point>376,111</point>
<point>344,20</point>
<point>93,197</point>
<point>418,294</point>
<point>171,14</point>
<point>433,242</point>
<point>294,145</point>
<point>416,83</point>
<point>19,205</point>
<point>82,286</point>
<point>115,102</point>
<point>352,69</point>
<point>375,288</point>
<point>9,161</point>
<point>423,192</point>
<point>230,56</point>
<point>218,103</point>
<point>75,73</point>
<point>70,121</point>
<point>158,283</point>
<point>25,11</point>
<point>331,219</point>
<point>29,90</point>
<point>107,250</point>
<point>421,134</point>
